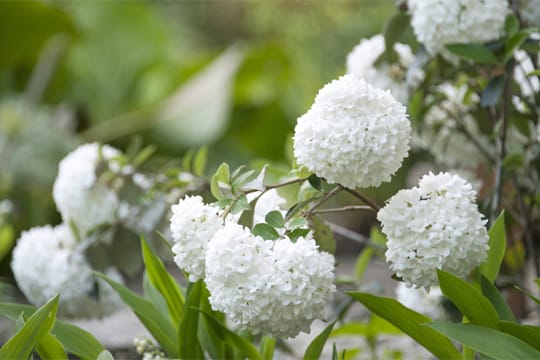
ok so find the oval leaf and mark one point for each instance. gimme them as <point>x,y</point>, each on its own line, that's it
<point>476,52</point>
<point>315,348</point>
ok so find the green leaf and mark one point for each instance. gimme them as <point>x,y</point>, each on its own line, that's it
<point>297,233</point>
<point>163,282</point>
<point>275,219</point>
<point>268,344</point>
<point>511,25</point>
<point>514,160</point>
<point>323,235</point>
<point>315,182</point>
<point>144,155</point>
<point>476,52</point>
<point>362,262</point>
<point>220,178</point>
<point>50,348</point>
<point>105,355</point>
<point>315,348</point>
<point>410,322</point>
<point>155,322</point>
<point>245,348</point>
<point>469,300</point>
<point>188,341</point>
<point>493,343</point>
<point>23,343</point>
<point>528,333</point>
<point>265,231</point>
<point>240,204</point>
<point>497,248</point>
<point>497,300</point>
<point>529,295</point>
<point>513,43</point>
<point>76,341</point>
<point>7,238</point>
<point>493,91</point>
<point>199,161</point>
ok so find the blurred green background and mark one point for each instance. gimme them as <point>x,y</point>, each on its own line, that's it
<point>234,75</point>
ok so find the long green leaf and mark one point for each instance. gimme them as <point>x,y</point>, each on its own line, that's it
<point>410,322</point>
<point>497,247</point>
<point>244,347</point>
<point>50,348</point>
<point>497,300</point>
<point>76,341</point>
<point>23,343</point>
<point>469,300</point>
<point>105,355</point>
<point>315,348</point>
<point>490,342</point>
<point>528,333</point>
<point>210,338</point>
<point>268,344</point>
<point>188,342</point>
<point>478,53</point>
<point>155,322</point>
<point>163,282</point>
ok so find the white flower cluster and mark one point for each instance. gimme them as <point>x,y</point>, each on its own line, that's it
<point>530,12</point>
<point>193,224</point>
<point>437,23</point>
<point>271,287</point>
<point>440,133</point>
<point>354,134</point>
<point>435,225</point>
<point>46,262</point>
<point>79,197</point>
<point>422,301</point>
<point>361,62</point>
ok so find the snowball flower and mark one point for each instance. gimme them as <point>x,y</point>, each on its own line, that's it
<point>270,287</point>
<point>435,225</point>
<point>354,134</point>
<point>193,223</point>
<point>437,23</point>
<point>361,62</point>
<point>79,196</point>
<point>422,301</point>
<point>45,263</point>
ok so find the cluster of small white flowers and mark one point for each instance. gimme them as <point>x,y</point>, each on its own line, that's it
<point>422,301</point>
<point>435,225</point>
<point>46,262</point>
<point>530,12</point>
<point>437,23</point>
<point>361,62</point>
<point>193,224</point>
<point>354,134</point>
<point>271,287</point>
<point>79,197</point>
<point>439,133</point>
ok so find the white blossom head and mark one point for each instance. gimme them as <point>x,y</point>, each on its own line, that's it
<point>79,197</point>
<point>193,224</point>
<point>46,262</point>
<point>435,225</point>
<point>424,302</point>
<point>361,62</point>
<point>437,23</point>
<point>354,134</point>
<point>270,287</point>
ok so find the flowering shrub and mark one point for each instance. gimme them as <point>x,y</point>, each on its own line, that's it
<point>255,247</point>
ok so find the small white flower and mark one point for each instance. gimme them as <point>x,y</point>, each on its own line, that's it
<point>193,224</point>
<point>354,134</point>
<point>46,262</point>
<point>79,197</point>
<point>437,23</point>
<point>361,62</point>
<point>435,225</point>
<point>270,287</point>
<point>422,301</point>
